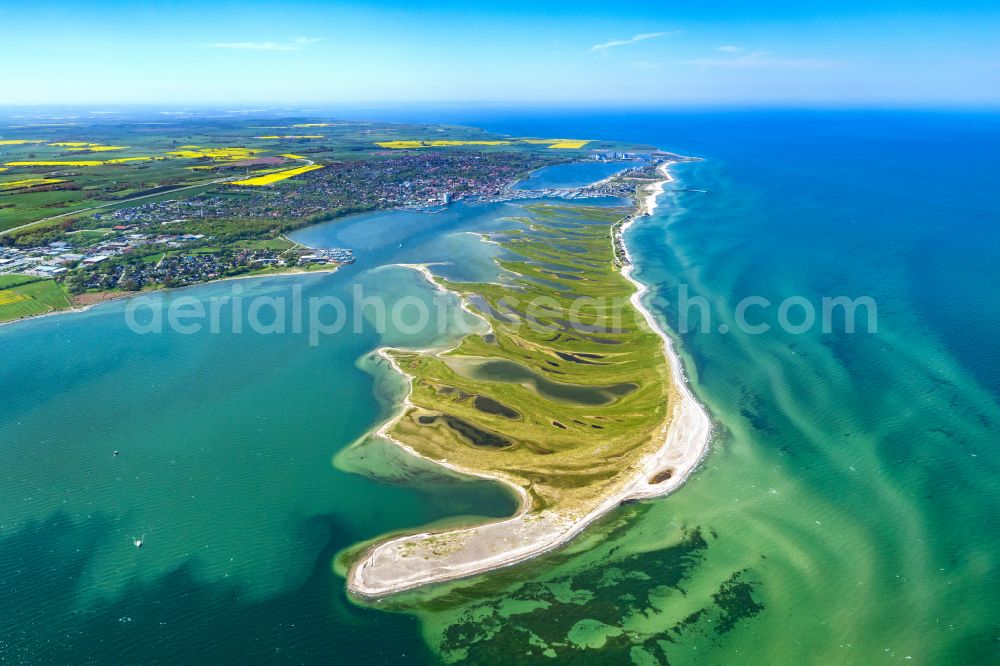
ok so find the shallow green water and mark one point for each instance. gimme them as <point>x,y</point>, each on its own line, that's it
<point>224,471</point>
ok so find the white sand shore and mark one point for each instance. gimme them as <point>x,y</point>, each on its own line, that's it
<point>648,197</point>
<point>481,237</point>
<point>406,562</point>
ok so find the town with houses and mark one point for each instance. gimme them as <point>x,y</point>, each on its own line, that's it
<point>166,243</point>
<point>102,266</point>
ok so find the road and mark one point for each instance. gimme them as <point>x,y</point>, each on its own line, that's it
<point>115,203</point>
<point>308,161</point>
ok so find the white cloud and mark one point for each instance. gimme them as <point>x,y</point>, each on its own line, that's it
<point>758,60</point>
<point>296,44</point>
<point>615,43</point>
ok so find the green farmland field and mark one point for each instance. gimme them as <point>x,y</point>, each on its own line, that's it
<point>24,296</point>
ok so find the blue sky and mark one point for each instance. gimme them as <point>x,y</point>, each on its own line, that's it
<point>847,53</point>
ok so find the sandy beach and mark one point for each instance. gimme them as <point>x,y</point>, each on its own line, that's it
<point>410,561</point>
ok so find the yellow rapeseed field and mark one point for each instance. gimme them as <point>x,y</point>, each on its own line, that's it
<point>292,156</point>
<point>76,163</point>
<point>269,178</point>
<point>102,149</point>
<point>89,147</point>
<point>436,143</point>
<point>219,154</point>
<point>433,143</point>
<point>559,143</point>
<point>9,296</point>
<point>571,143</point>
<point>85,145</point>
<point>29,182</point>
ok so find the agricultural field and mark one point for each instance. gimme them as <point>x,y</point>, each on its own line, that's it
<point>29,182</point>
<point>71,168</point>
<point>269,178</point>
<point>562,144</point>
<point>25,296</point>
<point>130,204</point>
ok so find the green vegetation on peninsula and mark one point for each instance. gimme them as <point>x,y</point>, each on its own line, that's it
<point>562,401</point>
<point>569,399</point>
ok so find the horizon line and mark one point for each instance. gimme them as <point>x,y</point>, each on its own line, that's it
<point>250,107</point>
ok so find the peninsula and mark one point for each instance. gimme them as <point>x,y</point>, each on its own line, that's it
<point>574,399</point>
<point>576,410</point>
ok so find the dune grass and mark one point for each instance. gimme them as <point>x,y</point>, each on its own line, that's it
<point>566,453</point>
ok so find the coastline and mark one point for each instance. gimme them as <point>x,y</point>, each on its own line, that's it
<point>78,309</point>
<point>680,443</point>
<point>648,200</point>
<point>685,438</point>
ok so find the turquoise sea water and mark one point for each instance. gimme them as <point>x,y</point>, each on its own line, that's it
<point>224,472</point>
<point>847,511</point>
<point>573,175</point>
